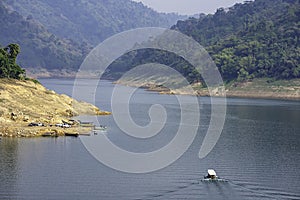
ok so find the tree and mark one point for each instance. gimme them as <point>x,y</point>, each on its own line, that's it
<point>8,66</point>
<point>13,50</point>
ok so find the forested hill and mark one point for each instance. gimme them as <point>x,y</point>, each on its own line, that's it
<point>250,40</point>
<point>39,48</point>
<point>91,21</point>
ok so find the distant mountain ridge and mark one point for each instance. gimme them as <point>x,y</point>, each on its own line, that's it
<point>39,48</point>
<point>91,21</point>
<point>56,35</point>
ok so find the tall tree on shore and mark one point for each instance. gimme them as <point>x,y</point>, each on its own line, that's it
<point>8,66</point>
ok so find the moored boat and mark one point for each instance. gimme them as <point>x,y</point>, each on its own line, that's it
<point>100,128</point>
<point>50,134</point>
<point>72,134</point>
<point>86,124</point>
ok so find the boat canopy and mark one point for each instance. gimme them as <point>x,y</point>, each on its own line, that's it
<point>211,172</point>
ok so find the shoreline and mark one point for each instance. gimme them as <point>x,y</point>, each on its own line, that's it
<point>263,88</point>
<point>24,131</point>
<point>257,89</point>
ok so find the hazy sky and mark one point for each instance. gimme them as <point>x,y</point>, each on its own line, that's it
<point>189,6</point>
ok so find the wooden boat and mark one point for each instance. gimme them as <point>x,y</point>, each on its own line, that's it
<point>50,134</point>
<point>72,134</point>
<point>86,124</point>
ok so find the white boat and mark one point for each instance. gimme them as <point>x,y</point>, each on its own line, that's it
<point>212,177</point>
<point>100,128</point>
<point>96,132</point>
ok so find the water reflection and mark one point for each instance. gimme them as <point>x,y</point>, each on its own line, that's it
<point>8,167</point>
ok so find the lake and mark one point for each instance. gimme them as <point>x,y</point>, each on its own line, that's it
<point>258,153</point>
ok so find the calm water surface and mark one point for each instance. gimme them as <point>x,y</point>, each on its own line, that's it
<point>258,153</point>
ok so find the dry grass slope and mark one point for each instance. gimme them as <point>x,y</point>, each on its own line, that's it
<point>23,102</point>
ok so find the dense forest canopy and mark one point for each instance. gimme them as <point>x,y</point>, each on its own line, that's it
<point>8,66</point>
<point>251,40</point>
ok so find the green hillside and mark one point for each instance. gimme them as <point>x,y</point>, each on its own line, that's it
<point>40,48</point>
<point>56,35</point>
<point>251,40</point>
<point>91,21</point>
<point>257,39</point>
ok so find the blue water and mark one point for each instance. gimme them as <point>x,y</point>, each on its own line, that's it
<point>258,152</point>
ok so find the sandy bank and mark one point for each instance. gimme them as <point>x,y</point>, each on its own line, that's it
<point>258,88</point>
<point>23,102</point>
